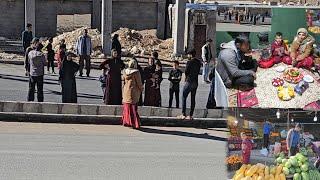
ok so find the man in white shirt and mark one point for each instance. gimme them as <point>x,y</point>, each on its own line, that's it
<point>206,58</point>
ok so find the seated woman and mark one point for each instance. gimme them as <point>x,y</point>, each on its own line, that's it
<point>301,50</point>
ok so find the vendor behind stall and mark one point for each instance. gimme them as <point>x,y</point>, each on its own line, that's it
<point>266,133</point>
<point>293,139</point>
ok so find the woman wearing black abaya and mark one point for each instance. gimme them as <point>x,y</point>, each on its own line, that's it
<point>68,80</point>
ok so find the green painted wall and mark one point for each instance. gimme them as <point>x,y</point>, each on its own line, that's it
<point>222,36</point>
<point>287,21</point>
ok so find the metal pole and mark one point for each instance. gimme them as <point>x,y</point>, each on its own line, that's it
<point>288,120</point>
<point>106,27</point>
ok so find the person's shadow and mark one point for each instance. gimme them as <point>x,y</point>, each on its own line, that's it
<point>181,133</point>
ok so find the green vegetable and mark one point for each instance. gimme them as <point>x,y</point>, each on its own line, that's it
<point>297,176</point>
<point>305,176</point>
<point>304,168</point>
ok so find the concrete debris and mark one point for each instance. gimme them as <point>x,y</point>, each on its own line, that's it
<point>10,56</point>
<point>133,42</point>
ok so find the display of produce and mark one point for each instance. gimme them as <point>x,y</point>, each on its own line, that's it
<point>233,159</point>
<point>259,172</point>
<point>298,166</point>
<point>277,82</point>
<point>292,75</point>
<point>314,29</point>
<point>285,93</point>
<point>233,162</point>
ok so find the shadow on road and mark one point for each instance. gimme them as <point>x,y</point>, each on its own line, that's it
<point>25,79</point>
<point>79,95</point>
<point>181,133</point>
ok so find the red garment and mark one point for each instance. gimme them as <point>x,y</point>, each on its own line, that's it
<point>130,116</point>
<point>309,20</point>
<point>276,48</point>
<point>305,63</point>
<point>246,151</point>
<point>59,56</point>
<point>266,63</point>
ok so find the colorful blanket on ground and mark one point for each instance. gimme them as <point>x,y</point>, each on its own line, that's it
<point>315,106</point>
<point>247,98</point>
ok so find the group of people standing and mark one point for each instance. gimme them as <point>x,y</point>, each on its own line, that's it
<point>115,71</point>
<point>241,15</point>
<point>38,55</point>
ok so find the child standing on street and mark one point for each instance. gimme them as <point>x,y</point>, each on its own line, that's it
<point>50,55</point>
<point>174,77</point>
<point>157,76</point>
<point>246,147</point>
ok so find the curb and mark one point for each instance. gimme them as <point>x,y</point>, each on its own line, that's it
<point>109,120</point>
<point>46,112</point>
<point>100,110</point>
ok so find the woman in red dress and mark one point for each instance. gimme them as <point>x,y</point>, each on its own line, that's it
<point>131,94</point>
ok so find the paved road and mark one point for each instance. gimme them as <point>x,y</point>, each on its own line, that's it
<point>242,27</point>
<point>14,87</point>
<point>64,151</point>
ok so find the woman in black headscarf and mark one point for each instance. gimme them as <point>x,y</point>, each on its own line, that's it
<point>67,78</point>
<point>116,44</point>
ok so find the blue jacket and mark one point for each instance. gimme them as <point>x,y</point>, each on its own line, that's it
<point>80,43</point>
<point>290,137</point>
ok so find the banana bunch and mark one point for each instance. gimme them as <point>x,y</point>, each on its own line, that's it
<point>285,93</point>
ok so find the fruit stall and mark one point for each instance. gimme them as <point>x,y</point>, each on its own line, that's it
<point>296,167</point>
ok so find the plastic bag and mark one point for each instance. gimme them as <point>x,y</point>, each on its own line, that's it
<point>264,152</point>
<point>283,133</point>
<point>277,148</point>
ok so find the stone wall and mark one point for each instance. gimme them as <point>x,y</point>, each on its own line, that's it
<point>11,18</point>
<point>135,14</point>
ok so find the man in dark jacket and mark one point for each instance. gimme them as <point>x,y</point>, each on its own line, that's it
<point>192,71</point>
<point>211,103</point>
<point>116,44</point>
<point>27,37</point>
<point>229,60</point>
<point>174,77</point>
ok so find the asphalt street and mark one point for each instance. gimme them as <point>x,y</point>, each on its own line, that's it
<point>35,151</point>
<point>14,87</point>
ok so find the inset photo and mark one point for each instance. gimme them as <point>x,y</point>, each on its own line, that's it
<point>274,64</point>
<point>273,144</point>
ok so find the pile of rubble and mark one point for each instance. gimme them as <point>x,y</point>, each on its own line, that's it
<point>10,56</point>
<point>144,43</point>
<point>133,42</point>
<point>71,39</point>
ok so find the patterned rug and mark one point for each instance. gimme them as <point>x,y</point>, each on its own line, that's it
<point>314,106</point>
<point>247,98</point>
